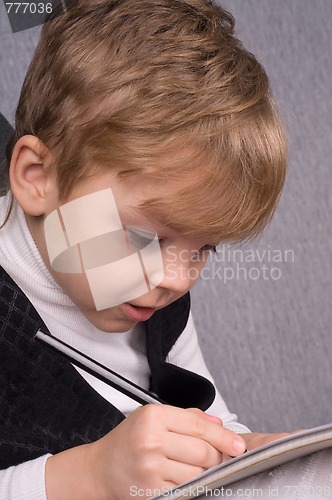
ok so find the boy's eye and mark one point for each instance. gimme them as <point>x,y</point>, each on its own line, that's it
<point>140,238</point>
<point>211,248</point>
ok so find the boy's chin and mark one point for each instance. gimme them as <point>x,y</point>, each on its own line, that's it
<point>109,320</point>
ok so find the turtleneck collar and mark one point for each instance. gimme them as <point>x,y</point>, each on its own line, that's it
<point>20,257</point>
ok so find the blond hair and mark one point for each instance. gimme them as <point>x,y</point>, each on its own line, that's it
<point>161,88</point>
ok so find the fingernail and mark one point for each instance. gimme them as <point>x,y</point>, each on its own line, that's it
<point>239,445</point>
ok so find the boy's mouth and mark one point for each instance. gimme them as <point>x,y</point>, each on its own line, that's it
<point>137,313</point>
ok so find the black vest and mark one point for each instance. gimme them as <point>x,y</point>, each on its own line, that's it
<point>45,404</point>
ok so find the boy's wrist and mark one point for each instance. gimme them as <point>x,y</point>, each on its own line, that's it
<point>69,474</point>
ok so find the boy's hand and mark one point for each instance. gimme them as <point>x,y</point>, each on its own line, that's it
<point>156,448</point>
<point>256,439</point>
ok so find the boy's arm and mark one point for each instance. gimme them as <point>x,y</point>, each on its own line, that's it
<point>256,439</point>
<point>186,353</point>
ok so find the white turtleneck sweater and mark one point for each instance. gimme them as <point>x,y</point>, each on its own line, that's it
<point>122,352</point>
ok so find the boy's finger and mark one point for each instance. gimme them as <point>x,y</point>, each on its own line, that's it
<point>194,424</point>
<point>213,418</point>
<point>178,472</point>
<point>191,451</point>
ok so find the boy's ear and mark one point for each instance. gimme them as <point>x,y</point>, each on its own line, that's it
<point>28,175</point>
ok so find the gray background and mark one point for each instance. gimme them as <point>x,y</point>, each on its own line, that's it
<point>267,341</point>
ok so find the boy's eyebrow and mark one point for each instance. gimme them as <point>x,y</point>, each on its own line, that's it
<point>159,224</point>
<point>134,212</point>
<point>158,221</point>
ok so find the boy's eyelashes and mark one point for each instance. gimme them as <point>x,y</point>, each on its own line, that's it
<point>211,248</point>
<point>142,239</point>
<point>139,240</point>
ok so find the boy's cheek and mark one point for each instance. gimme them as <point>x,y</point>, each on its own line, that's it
<point>85,237</point>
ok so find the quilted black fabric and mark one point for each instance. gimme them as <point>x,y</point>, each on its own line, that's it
<point>6,132</point>
<point>174,384</point>
<point>46,406</point>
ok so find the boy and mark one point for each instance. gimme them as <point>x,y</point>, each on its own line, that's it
<point>145,135</point>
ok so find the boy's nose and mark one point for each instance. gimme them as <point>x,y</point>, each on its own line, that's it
<point>178,276</point>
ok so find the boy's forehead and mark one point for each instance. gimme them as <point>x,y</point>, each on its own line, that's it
<point>157,208</point>
<point>146,200</point>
